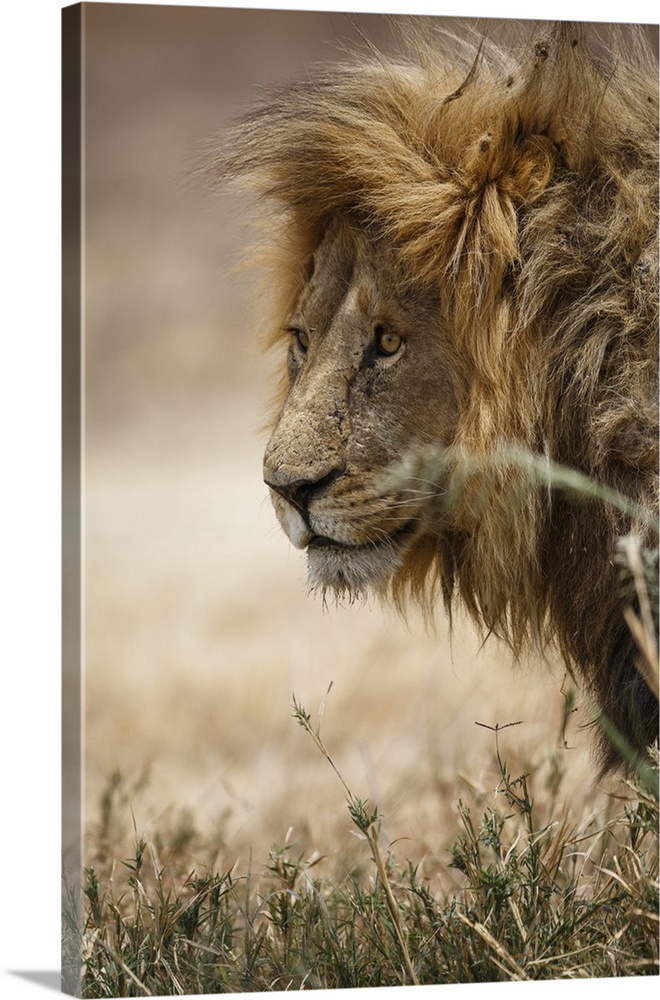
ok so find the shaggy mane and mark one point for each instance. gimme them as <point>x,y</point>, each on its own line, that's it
<point>521,181</point>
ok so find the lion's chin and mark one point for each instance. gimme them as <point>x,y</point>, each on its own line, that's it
<point>355,570</point>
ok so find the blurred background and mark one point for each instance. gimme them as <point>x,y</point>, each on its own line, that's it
<point>198,628</point>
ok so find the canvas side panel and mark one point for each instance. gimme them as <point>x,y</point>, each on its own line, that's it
<point>72,24</point>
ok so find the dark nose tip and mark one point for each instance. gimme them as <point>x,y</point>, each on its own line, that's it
<point>300,492</point>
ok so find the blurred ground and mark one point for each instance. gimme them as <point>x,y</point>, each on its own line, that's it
<point>198,627</point>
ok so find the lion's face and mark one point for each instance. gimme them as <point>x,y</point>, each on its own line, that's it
<point>369,387</point>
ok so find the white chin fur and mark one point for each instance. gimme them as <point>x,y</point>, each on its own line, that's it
<point>352,571</point>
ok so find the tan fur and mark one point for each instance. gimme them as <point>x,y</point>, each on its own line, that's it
<point>497,208</point>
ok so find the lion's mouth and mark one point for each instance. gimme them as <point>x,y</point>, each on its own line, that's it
<point>324,542</point>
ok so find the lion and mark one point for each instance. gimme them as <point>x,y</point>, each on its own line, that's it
<point>466,261</point>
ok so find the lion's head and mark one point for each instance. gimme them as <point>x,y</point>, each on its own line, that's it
<point>467,261</point>
<point>370,385</point>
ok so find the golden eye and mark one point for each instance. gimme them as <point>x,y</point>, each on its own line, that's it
<point>302,338</point>
<point>388,341</point>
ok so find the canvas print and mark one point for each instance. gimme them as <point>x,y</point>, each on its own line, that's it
<point>360,572</point>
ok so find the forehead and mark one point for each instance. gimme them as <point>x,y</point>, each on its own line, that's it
<point>352,266</point>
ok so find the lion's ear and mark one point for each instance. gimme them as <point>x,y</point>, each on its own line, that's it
<point>531,169</point>
<point>520,161</point>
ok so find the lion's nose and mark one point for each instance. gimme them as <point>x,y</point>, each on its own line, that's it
<point>300,492</point>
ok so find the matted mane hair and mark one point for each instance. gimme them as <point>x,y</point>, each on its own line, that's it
<point>521,182</point>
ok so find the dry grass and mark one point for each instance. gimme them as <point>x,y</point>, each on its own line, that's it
<point>540,892</point>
